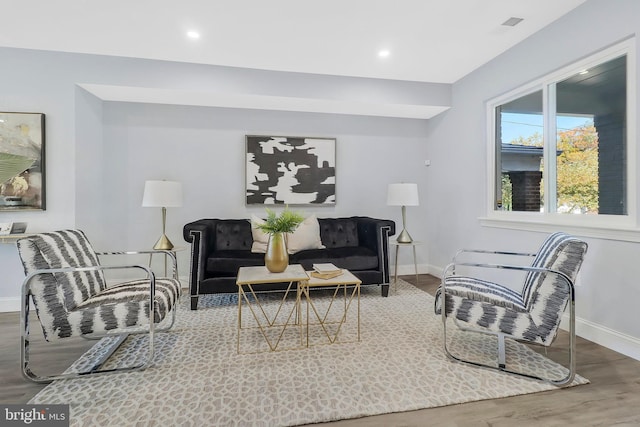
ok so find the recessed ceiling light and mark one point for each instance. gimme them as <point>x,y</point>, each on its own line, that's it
<point>583,72</point>
<point>193,35</point>
<point>384,53</point>
<point>512,22</point>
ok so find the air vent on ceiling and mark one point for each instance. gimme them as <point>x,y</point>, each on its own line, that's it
<point>512,22</point>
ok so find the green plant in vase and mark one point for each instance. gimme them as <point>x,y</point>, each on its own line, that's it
<point>276,258</point>
<point>286,222</point>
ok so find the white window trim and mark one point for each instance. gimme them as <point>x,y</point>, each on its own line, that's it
<point>617,227</point>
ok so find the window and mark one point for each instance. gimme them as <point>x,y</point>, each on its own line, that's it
<point>561,147</point>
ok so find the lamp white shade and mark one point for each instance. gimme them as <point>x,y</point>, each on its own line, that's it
<point>403,194</point>
<point>162,194</point>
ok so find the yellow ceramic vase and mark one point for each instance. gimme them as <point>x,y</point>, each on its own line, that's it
<point>276,259</point>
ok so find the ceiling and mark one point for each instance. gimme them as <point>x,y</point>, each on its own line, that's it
<point>436,41</point>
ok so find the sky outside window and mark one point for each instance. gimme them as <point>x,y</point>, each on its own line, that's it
<point>516,125</point>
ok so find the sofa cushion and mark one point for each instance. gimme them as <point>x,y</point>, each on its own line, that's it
<point>305,236</point>
<point>351,258</point>
<point>260,238</point>
<point>339,232</point>
<point>228,262</point>
<point>233,235</point>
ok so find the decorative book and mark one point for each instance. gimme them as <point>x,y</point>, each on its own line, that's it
<point>325,271</point>
<point>325,268</point>
<point>326,276</point>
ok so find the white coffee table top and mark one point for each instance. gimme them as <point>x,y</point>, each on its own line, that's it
<point>260,274</point>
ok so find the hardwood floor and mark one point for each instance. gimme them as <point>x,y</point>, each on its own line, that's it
<point>612,397</point>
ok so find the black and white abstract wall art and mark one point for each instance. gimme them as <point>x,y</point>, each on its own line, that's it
<point>290,170</point>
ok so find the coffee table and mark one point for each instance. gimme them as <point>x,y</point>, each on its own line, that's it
<point>342,282</point>
<point>266,322</point>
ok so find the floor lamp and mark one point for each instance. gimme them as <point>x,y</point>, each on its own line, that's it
<point>162,194</point>
<point>403,194</point>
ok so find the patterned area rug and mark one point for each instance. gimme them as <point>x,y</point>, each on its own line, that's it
<point>200,379</point>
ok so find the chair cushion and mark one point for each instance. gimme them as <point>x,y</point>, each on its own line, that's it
<point>77,303</point>
<point>495,318</point>
<point>61,249</point>
<point>560,252</point>
<point>126,305</point>
<point>535,315</point>
<point>483,291</point>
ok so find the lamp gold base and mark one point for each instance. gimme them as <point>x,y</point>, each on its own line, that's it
<point>404,237</point>
<point>163,244</point>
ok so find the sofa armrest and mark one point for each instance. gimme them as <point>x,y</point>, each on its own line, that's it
<point>201,234</point>
<point>374,234</point>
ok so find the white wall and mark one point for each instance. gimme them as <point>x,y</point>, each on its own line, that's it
<point>98,154</point>
<point>204,148</point>
<point>608,291</point>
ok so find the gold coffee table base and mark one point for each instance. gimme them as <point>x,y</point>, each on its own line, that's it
<point>272,326</point>
<point>266,322</point>
<point>342,282</point>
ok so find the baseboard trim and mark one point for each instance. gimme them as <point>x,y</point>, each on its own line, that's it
<point>409,269</point>
<point>604,336</point>
<point>434,271</point>
<point>10,304</point>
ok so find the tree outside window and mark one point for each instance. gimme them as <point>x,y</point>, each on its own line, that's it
<point>586,171</point>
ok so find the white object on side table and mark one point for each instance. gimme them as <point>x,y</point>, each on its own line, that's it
<point>403,194</point>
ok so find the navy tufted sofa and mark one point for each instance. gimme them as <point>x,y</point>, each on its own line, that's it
<point>219,247</point>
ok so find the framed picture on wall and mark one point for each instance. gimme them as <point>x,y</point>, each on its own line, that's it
<point>22,161</point>
<point>290,170</point>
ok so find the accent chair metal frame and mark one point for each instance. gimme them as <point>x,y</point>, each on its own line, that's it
<point>475,296</point>
<point>122,335</point>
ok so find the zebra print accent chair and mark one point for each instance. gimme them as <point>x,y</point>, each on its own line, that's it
<point>66,283</point>
<point>532,315</point>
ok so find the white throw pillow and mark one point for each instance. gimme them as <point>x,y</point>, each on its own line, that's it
<point>260,238</point>
<point>306,236</point>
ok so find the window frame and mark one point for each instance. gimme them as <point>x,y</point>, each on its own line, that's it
<point>618,227</point>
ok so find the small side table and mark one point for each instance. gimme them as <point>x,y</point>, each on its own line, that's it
<point>415,262</point>
<point>342,281</point>
<point>265,320</point>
